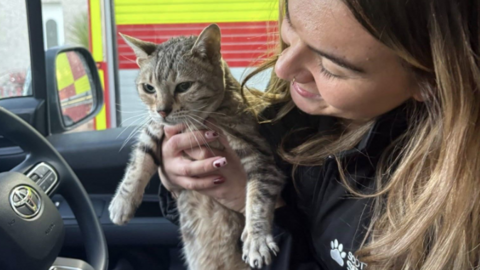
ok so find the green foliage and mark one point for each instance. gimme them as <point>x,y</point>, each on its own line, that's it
<point>78,30</point>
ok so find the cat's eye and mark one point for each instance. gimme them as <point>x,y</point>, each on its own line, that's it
<point>148,88</point>
<point>183,87</point>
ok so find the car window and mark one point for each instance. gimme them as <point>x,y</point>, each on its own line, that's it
<point>248,32</point>
<point>247,28</point>
<point>14,50</point>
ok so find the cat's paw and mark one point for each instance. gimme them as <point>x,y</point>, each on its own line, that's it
<point>257,248</point>
<point>121,210</point>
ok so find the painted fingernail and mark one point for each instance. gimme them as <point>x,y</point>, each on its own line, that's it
<point>218,181</point>
<point>220,162</point>
<point>211,134</point>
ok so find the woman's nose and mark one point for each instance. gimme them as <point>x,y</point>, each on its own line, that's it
<point>291,63</point>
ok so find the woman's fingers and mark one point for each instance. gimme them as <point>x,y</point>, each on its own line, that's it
<point>204,152</point>
<point>186,141</point>
<point>172,130</point>
<point>199,167</point>
<point>200,184</point>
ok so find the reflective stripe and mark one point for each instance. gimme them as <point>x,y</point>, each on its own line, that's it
<point>101,118</point>
<point>96,41</point>
<point>194,11</point>
<point>82,85</point>
<point>96,30</point>
<point>64,72</point>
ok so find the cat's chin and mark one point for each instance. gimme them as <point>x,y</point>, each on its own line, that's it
<point>161,122</point>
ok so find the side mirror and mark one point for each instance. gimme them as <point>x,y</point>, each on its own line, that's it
<point>73,87</point>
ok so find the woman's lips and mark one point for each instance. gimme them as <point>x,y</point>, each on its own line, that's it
<point>304,93</point>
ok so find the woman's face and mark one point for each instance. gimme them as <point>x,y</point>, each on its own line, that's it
<point>336,67</point>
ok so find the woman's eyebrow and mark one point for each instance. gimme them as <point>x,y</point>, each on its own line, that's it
<point>337,60</point>
<point>287,14</point>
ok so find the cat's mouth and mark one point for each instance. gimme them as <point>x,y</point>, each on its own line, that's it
<point>167,121</point>
<point>180,117</point>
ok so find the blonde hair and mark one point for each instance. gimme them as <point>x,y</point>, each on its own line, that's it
<point>427,200</point>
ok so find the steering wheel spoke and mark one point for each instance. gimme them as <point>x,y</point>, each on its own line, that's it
<point>43,173</point>
<point>25,165</point>
<point>45,176</point>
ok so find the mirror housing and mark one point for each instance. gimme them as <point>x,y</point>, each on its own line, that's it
<point>74,89</point>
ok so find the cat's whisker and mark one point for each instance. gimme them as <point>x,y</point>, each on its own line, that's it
<point>131,125</point>
<point>133,61</point>
<point>134,122</point>
<point>195,136</point>
<point>203,107</point>
<point>204,140</point>
<point>207,112</point>
<point>189,129</point>
<point>132,135</point>
<point>199,122</point>
<point>128,111</point>
<point>138,108</point>
<point>118,136</point>
<point>133,117</point>
<point>214,125</point>
<point>135,132</point>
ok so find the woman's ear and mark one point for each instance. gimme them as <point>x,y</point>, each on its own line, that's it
<point>423,86</point>
<point>418,96</point>
<point>424,90</point>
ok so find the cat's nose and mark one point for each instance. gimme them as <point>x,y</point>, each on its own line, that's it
<point>164,112</point>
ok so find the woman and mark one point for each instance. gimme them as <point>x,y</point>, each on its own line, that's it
<point>376,116</point>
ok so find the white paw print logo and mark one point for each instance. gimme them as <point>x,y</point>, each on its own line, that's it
<point>337,252</point>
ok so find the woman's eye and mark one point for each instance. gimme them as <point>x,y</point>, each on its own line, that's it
<point>183,87</point>
<point>148,88</point>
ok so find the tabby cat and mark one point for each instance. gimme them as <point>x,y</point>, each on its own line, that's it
<point>185,80</point>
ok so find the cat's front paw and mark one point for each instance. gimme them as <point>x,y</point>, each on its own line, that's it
<point>121,210</point>
<point>257,248</point>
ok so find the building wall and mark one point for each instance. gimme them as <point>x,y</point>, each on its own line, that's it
<point>14,48</point>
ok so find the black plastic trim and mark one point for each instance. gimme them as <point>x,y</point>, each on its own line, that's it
<point>115,64</point>
<point>37,50</point>
<point>28,108</point>
<point>140,231</point>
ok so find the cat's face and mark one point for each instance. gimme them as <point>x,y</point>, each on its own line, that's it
<point>180,80</point>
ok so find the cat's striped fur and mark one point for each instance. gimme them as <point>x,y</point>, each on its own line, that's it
<point>210,232</point>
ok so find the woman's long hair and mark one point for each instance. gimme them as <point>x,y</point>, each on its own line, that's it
<point>427,200</point>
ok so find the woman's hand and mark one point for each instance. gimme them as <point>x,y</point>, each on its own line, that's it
<point>215,173</point>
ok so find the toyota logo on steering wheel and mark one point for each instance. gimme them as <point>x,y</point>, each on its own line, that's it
<point>25,201</point>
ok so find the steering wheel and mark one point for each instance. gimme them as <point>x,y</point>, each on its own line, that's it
<point>31,228</point>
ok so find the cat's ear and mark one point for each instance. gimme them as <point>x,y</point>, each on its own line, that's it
<point>141,48</point>
<point>208,43</point>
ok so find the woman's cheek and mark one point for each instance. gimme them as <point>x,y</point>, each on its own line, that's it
<point>331,92</point>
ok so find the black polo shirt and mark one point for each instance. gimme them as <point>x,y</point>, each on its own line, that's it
<point>322,225</point>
